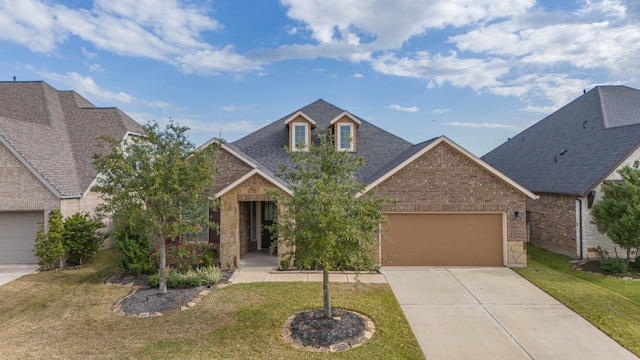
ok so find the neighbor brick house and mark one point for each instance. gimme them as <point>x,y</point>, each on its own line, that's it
<point>565,158</point>
<point>47,140</point>
<point>450,208</point>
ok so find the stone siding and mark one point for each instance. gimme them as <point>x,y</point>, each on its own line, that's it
<point>552,223</point>
<point>444,180</point>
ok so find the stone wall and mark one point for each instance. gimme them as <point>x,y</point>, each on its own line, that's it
<point>552,223</point>
<point>445,180</point>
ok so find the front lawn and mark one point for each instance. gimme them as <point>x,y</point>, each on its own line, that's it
<point>611,304</point>
<point>67,314</point>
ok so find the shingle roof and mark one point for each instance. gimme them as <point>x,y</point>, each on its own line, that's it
<point>573,149</point>
<point>378,147</point>
<point>55,131</point>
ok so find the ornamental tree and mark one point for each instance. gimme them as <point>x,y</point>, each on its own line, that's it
<point>160,177</point>
<point>617,214</point>
<point>327,223</point>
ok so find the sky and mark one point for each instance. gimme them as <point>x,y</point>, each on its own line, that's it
<point>476,71</point>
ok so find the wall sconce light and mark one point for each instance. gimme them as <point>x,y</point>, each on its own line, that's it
<point>517,215</point>
<point>51,212</point>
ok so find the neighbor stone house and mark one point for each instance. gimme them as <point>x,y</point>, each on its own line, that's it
<point>47,140</point>
<point>450,208</point>
<point>565,158</point>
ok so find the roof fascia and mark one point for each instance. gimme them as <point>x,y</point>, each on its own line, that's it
<point>345,114</point>
<point>299,113</point>
<point>614,168</point>
<point>247,176</point>
<point>33,170</point>
<point>464,152</point>
<point>229,149</point>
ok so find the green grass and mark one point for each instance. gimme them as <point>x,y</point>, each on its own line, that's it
<point>66,314</point>
<point>611,304</point>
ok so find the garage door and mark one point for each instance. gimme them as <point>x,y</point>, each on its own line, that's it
<point>17,234</point>
<point>443,240</point>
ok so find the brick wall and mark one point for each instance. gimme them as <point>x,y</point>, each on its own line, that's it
<point>552,223</point>
<point>229,168</point>
<point>20,190</point>
<point>444,180</point>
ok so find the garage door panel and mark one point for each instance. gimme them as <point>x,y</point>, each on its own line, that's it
<point>443,240</point>
<point>17,236</point>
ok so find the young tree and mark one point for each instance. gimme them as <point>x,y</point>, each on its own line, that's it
<point>327,224</point>
<point>48,246</point>
<point>617,214</point>
<point>161,176</point>
<point>81,238</point>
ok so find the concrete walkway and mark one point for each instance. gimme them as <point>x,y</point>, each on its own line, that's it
<point>493,313</point>
<point>9,273</point>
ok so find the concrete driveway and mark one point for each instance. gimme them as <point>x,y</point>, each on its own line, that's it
<point>493,313</point>
<point>11,272</point>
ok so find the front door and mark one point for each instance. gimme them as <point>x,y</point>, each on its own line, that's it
<point>268,217</point>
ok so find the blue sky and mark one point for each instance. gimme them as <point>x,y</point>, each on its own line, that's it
<point>477,71</point>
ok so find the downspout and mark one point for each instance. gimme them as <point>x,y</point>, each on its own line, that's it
<point>580,224</point>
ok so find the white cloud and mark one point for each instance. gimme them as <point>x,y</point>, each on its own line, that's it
<point>411,109</point>
<point>357,76</point>
<point>95,67</point>
<point>439,69</point>
<point>440,111</point>
<point>88,54</point>
<point>478,125</point>
<point>211,62</point>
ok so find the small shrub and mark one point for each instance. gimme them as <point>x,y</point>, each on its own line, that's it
<point>614,265</point>
<point>188,255</point>
<point>81,238</point>
<point>192,278</point>
<point>48,246</point>
<point>135,246</point>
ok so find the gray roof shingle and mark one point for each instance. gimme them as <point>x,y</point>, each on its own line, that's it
<point>572,150</point>
<point>55,131</point>
<point>378,147</point>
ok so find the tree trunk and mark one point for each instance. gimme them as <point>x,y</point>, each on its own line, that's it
<point>325,293</point>
<point>629,255</point>
<point>163,265</point>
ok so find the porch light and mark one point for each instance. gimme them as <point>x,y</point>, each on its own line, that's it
<point>517,215</point>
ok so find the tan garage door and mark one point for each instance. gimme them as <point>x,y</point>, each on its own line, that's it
<point>17,235</point>
<point>443,240</point>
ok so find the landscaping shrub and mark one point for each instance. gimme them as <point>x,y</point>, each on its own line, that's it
<point>209,275</point>
<point>48,246</point>
<point>81,238</point>
<point>614,265</point>
<point>135,245</point>
<point>185,256</point>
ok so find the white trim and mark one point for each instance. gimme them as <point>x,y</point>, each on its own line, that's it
<point>471,157</point>
<point>292,131</point>
<point>505,231</point>
<point>339,137</point>
<point>345,114</point>
<point>248,175</point>
<point>299,113</point>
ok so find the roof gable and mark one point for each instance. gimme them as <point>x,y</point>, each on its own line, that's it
<point>55,133</point>
<point>573,149</point>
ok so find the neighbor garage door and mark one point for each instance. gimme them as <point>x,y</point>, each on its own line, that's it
<point>419,239</point>
<point>17,235</point>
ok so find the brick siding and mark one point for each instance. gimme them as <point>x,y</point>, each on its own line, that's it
<point>552,223</point>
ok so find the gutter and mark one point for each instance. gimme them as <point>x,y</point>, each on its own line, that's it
<point>580,224</point>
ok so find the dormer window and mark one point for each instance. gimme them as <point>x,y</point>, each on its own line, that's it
<point>299,133</point>
<point>344,130</point>
<point>300,126</point>
<point>345,137</point>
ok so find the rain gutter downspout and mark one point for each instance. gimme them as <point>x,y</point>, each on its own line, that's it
<point>580,224</point>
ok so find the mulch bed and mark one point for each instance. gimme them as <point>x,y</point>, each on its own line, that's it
<point>149,300</point>
<point>310,330</point>
<point>593,266</point>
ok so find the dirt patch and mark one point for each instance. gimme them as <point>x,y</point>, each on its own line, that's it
<point>310,330</point>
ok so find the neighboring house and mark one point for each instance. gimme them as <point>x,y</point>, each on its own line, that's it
<point>450,208</point>
<point>565,158</point>
<point>47,140</point>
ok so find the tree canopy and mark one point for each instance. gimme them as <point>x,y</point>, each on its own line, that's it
<point>161,179</point>
<point>617,214</point>
<point>327,223</point>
